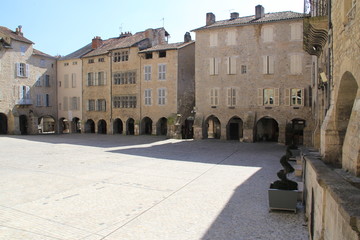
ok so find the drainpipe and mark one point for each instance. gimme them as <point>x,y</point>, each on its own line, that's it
<point>111,105</point>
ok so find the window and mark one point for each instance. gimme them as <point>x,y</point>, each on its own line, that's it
<point>295,64</point>
<point>47,80</point>
<point>101,80</point>
<point>22,50</point>
<point>91,61</point>
<point>59,83</point>
<point>231,38</point>
<point>121,56</point>
<point>268,65</point>
<point>148,55</point>
<point>161,96</point>
<point>66,64</point>
<point>231,65</point>
<point>268,34</point>
<point>75,103</point>
<point>125,78</point>
<point>101,105</point>
<point>147,97</point>
<point>296,31</point>
<point>214,66</point>
<point>42,63</point>
<point>90,79</point>
<point>22,69</point>
<point>294,97</point>
<point>162,71</point>
<point>73,80</point>
<point>47,100</point>
<point>74,63</point>
<point>213,39</point>
<point>91,105</point>
<point>214,97</point>
<point>65,103</point>
<point>147,73</point>
<point>38,81</point>
<point>66,81</point>
<point>24,95</point>
<point>124,102</point>
<point>38,100</point>
<point>231,97</point>
<point>162,54</point>
<point>101,59</point>
<point>243,69</point>
<point>268,96</point>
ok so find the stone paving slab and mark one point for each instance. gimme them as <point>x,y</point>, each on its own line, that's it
<point>93,187</point>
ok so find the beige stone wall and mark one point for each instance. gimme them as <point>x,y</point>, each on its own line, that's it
<point>249,51</point>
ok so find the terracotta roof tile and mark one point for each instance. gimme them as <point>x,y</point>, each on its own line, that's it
<point>14,36</point>
<point>37,52</point>
<point>169,46</point>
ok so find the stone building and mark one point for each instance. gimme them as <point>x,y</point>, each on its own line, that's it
<point>331,35</point>
<point>69,75</point>
<point>252,79</point>
<point>167,89</point>
<point>27,86</point>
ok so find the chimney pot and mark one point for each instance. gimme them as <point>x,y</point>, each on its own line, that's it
<point>210,18</point>
<point>259,12</point>
<point>187,37</point>
<point>234,15</point>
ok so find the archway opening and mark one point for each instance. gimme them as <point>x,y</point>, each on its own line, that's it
<point>102,126</point>
<point>23,124</point>
<point>295,132</point>
<point>146,126</point>
<point>161,127</point>
<point>267,129</point>
<point>75,125</point>
<point>212,128</point>
<point>3,124</point>
<point>46,124</point>
<point>187,130</point>
<point>130,126</point>
<point>90,126</point>
<point>64,125</point>
<point>118,126</point>
<point>234,129</point>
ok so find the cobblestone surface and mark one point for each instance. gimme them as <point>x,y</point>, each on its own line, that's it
<point>94,187</point>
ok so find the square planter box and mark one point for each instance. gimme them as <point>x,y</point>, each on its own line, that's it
<point>283,199</point>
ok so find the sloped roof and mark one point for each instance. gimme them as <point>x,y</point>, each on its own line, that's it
<point>169,46</point>
<point>13,35</point>
<point>269,17</point>
<point>78,53</point>
<point>39,53</point>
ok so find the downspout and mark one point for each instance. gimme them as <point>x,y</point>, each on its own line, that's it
<point>111,97</point>
<point>140,93</point>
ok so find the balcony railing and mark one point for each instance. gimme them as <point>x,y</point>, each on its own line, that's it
<point>24,102</point>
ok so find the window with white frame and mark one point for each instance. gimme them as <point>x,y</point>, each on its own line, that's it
<point>162,96</point>
<point>268,64</point>
<point>124,101</point>
<point>213,39</point>
<point>22,50</point>
<point>24,95</point>
<point>101,78</point>
<point>121,56</point>
<point>295,64</point>
<point>296,31</point>
<point>73,80</point>
<point>214,97</point>
<point>147,73</point>
<point>294,97</point>
<point>214,66</point>
<point>90,79</point>
<point>231,97</point>
<point>231,38</point>
<point>268,34</point>
<point>268,96</point>
<point>22,70</point>
<point>231,65</point>
<point>91,105</point>
<point>147,97</point>
<point>162,71</point>
<point>101,105</point>
<point>125,78</point>
<point>47,80</point>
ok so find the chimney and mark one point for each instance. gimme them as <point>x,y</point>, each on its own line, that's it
<point>234,15</point>
<point>259,12</point>
<point>96,42</point>
<point>210,18</point>
<point>125,34</point>
<point>19,30</point>
<point>187,37</point>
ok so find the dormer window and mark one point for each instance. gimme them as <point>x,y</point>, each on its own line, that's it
<point>162,54</point>
<point>148,55</point>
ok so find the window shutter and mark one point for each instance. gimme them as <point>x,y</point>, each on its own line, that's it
<point>78,103</point>
<point>27,70</point>
<point>303,97</point>
<point>260,97</point>
<point>27,93</point>
<point>95,74</point>
<point>276,97</point>
<point>271,64</point>
<point>228,65</point>
<point>105,74</point>
<point>87,105</point>
<point>212,66</point>
<point>265,64</point>
<point>229,98</point>
<point>216,96</point>
<point>287,97</point>
<point>212,97</point>
<point>233,96</point>
<point>216,66</point>
<point>17,65</point>
<point>233,65</point>
<point>21,92</point>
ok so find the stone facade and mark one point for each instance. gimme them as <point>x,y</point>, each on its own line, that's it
<point>253,79</point>
<point>28,86</point>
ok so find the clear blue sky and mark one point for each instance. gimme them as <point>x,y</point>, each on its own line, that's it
<point>63,26</point>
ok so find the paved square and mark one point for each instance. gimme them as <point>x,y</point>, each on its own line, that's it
<point>94,187</point>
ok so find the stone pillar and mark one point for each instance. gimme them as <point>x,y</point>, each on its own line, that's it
<point>282,133</point>
<point>248,135</point>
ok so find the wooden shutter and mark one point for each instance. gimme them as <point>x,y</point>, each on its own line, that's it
<point>21,92</point>
<point>96,78</point>
<point>271,64</point>
<point>229,96</point>
<point>303,97</point>
<point>105,75</point>
<point>260,96</point>
<point>212,97</point>
<point>212,66</point>
<point>17,66</point>
<point>265,64</point>
<point>228,65</point>
<point>287,97</point>
<point>27,73</point>
<point>276,96</point>
<point>216,66</point>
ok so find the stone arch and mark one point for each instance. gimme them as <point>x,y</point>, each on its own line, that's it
<point>118,126</point>
<point>234,128</point>
<point>90,126</point>
<point>294,132</point>
<point>146,126</point>
<point>76,125</point>
<point>130,126</point>
<point>347,123</point>
<point>212,127</point>
<point>267,129</point>
<point>46,124</point>
<point>3,123</point>
<point>161,127</point>
<point>102,127</point>
<point>64,126</point>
